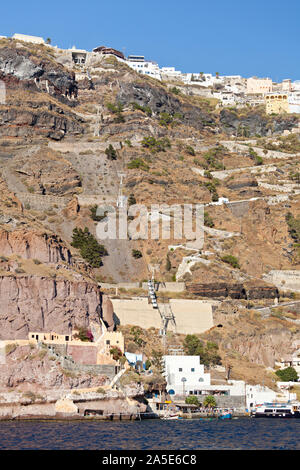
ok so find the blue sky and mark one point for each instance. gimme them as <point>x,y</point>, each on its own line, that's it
<point>246,37</point>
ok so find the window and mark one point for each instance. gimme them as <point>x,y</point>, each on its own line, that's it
<point>192,369</point>
<point>107,341</point>
<point>180,369</point>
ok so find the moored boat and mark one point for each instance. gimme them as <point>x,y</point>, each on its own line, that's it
<point>277,410</point>
<point>225,416</point>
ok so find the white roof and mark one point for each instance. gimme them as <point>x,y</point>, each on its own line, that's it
<point>25,37</point>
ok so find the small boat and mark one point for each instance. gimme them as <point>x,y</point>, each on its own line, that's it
<point>171,417</point>
<point>225,416</point>
<point>277,410</point>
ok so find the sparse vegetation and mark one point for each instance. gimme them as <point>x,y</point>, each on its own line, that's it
<point>156,145</point>
<point>111,153</point>
<point>89,248</point>
<point>208,352</point>
<point>137,254</point>
<point>232,260</point>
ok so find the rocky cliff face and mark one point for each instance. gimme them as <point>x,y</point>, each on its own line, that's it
<point>33,245</point>
<point>30,303</point>
<point>34,369</point>
<point>26,67</point>
<point>253,290</point>
<point>27,113</point>
<point>159,100</point>
<point>254,123</point>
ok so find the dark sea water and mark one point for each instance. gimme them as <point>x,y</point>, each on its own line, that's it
<point>240,433</point>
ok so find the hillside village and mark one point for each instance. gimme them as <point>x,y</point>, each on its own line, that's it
<point>122,327</point>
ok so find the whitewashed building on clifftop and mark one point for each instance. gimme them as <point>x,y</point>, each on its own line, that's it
<point>140,65</point>
<point>26,38</point>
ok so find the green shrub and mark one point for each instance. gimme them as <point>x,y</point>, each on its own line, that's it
<point>89,248</point>
<point>137,254</point>
<point>137,163</point>
<point>208,221</point>
<point>208,353</point>
<point>175,90</point>
<point>192,400</point>
<point>190,150</point>
<point>156,145</point>
<point>145,109</point>
<point>287,375</point>
<point>232,260</point>
<point>111,153</point>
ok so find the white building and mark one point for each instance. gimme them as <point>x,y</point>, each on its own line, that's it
<point>171,72</point>
<point>258,394</point>
<point>257,85</point>
<point>294,102</point>
<point>140,65</point>
<point>184,374</point>
<point>203,79</point>
<point>26,38</point>
<point>296,85</point>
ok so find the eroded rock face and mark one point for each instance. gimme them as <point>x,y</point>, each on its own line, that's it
<point>16,122</point>
<point>31,245</point>
<point>30,368</point>
<point>258,290</point>
<point>159,100</point>
<point>254,123</point>
<point>108,312</point>
<point>31,303</point>
<point>47,173</point>
<point>25,67</point>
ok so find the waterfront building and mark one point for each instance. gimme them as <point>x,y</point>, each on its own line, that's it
<point>184,374</point>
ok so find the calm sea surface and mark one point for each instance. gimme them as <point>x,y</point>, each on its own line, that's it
<point>241,433</point>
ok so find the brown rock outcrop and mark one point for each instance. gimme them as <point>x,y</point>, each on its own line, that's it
<point>108,312</point>
<point>247,290</point>
<point>29,244</point>
<point>31,303</point>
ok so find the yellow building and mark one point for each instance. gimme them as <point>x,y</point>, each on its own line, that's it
<point>276,103</point>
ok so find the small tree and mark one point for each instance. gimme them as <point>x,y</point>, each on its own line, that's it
<point>116,353</point>
<point>210,401</point>
<point>111,153</point>
<point>137,254</point>
<point>192,400</point>
<point>287,375</point>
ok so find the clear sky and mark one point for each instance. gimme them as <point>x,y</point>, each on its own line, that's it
<point>245,37</point>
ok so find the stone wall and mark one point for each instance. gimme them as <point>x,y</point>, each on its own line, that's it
<point>226,401</point>
<point>191,316</point>
<point>83,354</point>
<point>41,203</point>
